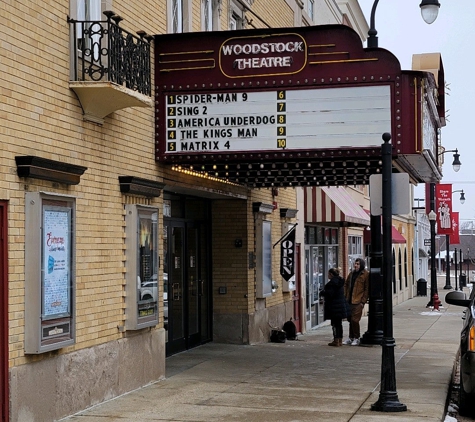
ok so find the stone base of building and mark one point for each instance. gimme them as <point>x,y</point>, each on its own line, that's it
<point>63,384</point>
<point>253,328</point>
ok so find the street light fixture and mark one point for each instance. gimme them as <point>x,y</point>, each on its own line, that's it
<point>429,12</point>
<point>456,163</point>
<point>462,195</point>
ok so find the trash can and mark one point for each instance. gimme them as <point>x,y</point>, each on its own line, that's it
<point>421,287</point>
<point>463,280</point>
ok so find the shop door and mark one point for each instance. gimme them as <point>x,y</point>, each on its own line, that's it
<point>186,269</point>
<point>4,315</point>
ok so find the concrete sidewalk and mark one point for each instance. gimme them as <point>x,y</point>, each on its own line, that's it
<point>303,380</point>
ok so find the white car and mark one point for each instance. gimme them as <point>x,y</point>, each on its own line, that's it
<point>149,289</point>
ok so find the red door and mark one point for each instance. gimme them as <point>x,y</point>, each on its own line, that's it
<point>298,290</point>
<point>4,314</point>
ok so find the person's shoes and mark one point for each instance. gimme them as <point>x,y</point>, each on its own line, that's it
<point>348,341</point>
<point>355,342</point>
<point>336,342</point>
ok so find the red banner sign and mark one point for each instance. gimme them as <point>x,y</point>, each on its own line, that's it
<point>455,236</point>
<point>443,208</point>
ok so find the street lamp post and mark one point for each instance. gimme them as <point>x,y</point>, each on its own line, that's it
<point>455,262</point>
<point>388,399</point>
<point>433,274</point>
<point>448,284</point>
<point>433,271</point>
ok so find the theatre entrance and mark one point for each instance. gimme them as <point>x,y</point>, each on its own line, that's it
<point>186,269</point>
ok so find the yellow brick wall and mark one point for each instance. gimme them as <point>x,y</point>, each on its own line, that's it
<point>276,13</point>
<point>41,116</point>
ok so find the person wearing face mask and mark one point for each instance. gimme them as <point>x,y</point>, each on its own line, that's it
<point>356,293</point>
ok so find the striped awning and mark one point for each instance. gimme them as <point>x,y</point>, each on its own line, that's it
<point>333,205</point>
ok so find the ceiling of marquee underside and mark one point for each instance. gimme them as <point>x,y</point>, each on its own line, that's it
<point>290,173</point>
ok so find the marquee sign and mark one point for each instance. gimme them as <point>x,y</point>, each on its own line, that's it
<point>247,57</point>
<point>278,119</point>
<point>290,95</point>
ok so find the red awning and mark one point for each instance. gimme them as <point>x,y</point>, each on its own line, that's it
<point>397,237</point>
<point>333,205</point>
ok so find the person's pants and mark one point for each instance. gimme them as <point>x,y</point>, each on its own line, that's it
<point>337,327</point>
<point>354,320</point>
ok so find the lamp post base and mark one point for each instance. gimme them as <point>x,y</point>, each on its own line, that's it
<point>448,287</point>
<point>388,402</point>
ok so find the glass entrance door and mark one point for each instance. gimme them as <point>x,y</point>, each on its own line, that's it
<point>185,266</point>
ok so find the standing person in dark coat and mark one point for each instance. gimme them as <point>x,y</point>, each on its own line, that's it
<point>336,307</point>
<point>356,293</point>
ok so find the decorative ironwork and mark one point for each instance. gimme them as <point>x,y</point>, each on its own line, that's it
<point>106,52</point>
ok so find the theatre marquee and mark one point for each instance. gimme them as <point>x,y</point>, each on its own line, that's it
<point>294,106</point>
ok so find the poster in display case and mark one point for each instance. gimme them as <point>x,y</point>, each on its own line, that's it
<point>49,272</point>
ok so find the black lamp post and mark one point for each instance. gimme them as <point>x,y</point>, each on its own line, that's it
<point>388,399</point>
<point>429,12</point>
<point>448,284</point>
<point>433,271</point>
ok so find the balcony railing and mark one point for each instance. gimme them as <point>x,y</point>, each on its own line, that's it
<point>105,52</point>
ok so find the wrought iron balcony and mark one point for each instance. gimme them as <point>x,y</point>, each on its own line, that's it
<point>111,67</point>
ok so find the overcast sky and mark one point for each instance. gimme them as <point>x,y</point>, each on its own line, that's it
<point>402,31</point>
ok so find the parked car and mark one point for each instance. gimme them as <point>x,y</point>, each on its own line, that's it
<point>467,351</point>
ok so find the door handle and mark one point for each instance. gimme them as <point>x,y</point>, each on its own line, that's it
<point>176,294</point>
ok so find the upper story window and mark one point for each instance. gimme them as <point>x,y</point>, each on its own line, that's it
<point>311,9</point>
<point>207,15</point>
<point>87,10</point>
<point>177,16</point>
<point>236,17</point>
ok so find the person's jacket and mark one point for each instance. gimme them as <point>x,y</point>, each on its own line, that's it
<point>360,288</point>
<point>336,305</point>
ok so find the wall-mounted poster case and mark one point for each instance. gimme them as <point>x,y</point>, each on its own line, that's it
<point>49,272</point>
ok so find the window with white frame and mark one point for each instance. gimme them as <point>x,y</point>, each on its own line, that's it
<point>355,245</point>
<point>89,10</point>
<point>177,16</point>
<point>311,9</point>
<point>86,10</point>
<point>207,14</point>
<point>237,14</point>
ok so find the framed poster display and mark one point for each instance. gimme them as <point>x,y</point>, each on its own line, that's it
<point>49,272</point>
<point>142,284</point>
